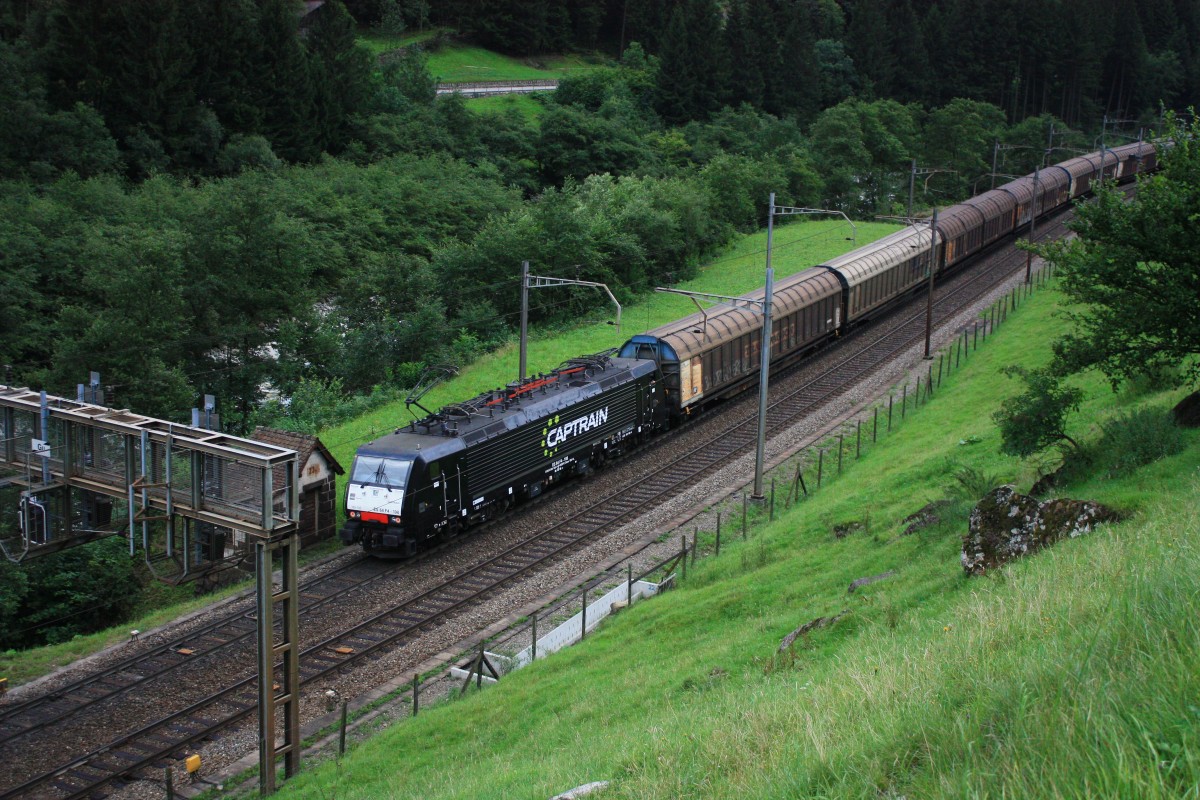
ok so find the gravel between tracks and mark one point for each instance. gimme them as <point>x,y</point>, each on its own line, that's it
<point>439,647</point>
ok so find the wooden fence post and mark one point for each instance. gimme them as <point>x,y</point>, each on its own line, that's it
<point>342,730</point>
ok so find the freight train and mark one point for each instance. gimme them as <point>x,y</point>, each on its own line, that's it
<point>471,461</point>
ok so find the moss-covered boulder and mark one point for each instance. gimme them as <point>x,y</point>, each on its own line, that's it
<point>1005,525</point>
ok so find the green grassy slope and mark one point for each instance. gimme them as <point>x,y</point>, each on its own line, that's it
<point>456,62</point>
<point>1075,673</point>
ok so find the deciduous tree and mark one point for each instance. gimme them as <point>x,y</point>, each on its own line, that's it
<point>1134,271</point>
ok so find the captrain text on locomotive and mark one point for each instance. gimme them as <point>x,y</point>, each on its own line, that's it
<point>471,461</point>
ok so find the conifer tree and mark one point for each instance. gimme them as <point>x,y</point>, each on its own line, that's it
<point>795,87</point>
<point>869,44</point>
<point>282,84</point>
<point>341,72</point>
<point>907,43</point>
<point>224,36</point>
<point>710,56</point>
<point>746,55</point>
<point>674,97</point>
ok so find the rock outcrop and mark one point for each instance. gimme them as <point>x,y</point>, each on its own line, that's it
<point>858,583</point>
<point>1006,525</point>
<point>803,630</point>
<point>926,517</point>
<point>1187,411</point>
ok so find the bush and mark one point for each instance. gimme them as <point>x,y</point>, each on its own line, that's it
<point>1137,438</point>
<point>1037,418</point>
<point>970,484</point>
<point>57,597</point>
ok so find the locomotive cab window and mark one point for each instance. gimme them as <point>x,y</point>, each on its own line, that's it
<point>435,470</point>
<point>391,473</point>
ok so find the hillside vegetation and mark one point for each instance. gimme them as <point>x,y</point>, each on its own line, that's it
<point>1073,673</point>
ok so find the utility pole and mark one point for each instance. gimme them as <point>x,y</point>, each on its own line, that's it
<point>542,282</point>
<point>524,315</point>
<point>995,152</point>
<point>1036,192</point>
<point>912,179</point>
<point>765,366</point>
<point>763,307</point>
<point>929,295</point>
<point>1033,223</point>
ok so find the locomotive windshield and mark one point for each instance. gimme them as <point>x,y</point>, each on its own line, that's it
<point>391,473</point>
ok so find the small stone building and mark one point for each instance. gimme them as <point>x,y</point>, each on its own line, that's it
<point>318,490</point>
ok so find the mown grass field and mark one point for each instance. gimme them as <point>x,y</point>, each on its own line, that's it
<point>456,62</point>
<point>528,107</point>
<point>1074,673</point>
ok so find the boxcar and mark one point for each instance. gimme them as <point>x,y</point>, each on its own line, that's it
<point>709,355</point>
<point>878,273</point>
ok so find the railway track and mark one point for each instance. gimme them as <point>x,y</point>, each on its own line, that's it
<point>128,756</point>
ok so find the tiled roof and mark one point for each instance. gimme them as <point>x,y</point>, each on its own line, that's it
<point>302,443</point>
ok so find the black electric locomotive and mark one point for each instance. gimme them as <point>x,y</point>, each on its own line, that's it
<point>470,461</point>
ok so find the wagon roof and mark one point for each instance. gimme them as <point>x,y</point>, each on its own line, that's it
<point>691,335</point>
<point>866,262</point>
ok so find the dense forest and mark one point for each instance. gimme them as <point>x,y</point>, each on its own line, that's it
<point>1076,59</point>
<point>233,197</point>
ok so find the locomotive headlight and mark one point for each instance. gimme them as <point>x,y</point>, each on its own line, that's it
<point>355,514</point>
<point>395,520</point>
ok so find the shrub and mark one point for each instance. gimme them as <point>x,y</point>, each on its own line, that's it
<point>971,483</point>
<point>1037,418</point>
<point>1136,438</point>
